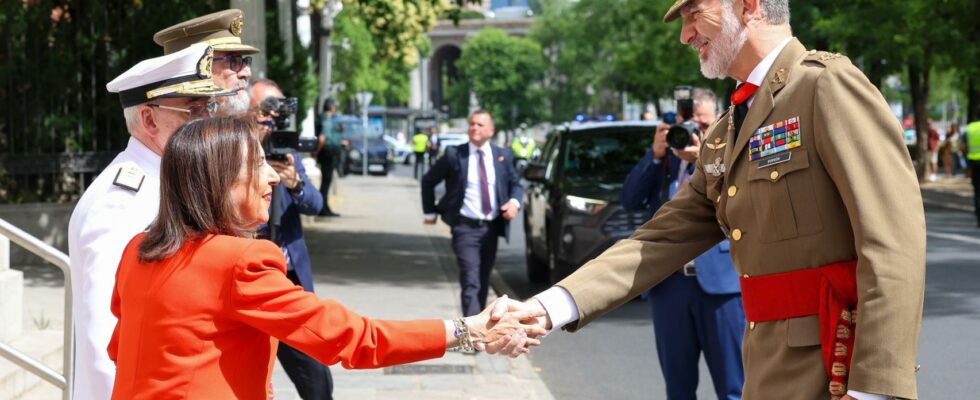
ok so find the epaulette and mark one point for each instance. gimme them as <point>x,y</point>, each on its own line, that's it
<point>823,57</point>
<point>130,177</point>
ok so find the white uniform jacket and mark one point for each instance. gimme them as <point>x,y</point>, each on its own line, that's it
<point>120,203</point>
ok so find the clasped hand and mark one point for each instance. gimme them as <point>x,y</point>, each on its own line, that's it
<point>507,327</point>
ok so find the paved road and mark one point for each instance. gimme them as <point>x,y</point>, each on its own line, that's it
<point>615,358</point>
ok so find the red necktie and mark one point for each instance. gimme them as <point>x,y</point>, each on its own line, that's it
<point>484,189</point>
<point>739,99</point>
<point>743,92</point>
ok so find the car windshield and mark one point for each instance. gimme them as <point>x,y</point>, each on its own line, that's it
<point>602,159</point>
<point>353,129</point>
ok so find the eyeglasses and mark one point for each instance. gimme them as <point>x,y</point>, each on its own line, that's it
<point>236,62</point>
<point>194,110</point>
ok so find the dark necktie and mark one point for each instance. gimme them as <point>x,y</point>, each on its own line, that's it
<point>484,187</point>
<point>740,98</point>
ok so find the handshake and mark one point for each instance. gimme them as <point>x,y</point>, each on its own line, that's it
<point>506,327</point>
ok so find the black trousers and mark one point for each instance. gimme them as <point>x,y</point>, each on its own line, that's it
<point>311,378</point>
<point>419,164</point>
<point>975,179</point>
<point>476,252</point>
<point>328,159</point>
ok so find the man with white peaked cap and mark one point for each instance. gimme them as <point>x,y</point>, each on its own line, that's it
<point>158,95</point>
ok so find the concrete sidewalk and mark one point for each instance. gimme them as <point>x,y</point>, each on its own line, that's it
<point>379,260</point>
<point>954,193</point>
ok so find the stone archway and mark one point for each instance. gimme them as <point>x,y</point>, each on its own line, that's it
<point>442,74</point>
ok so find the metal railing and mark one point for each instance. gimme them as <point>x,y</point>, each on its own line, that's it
<point>50,254</point>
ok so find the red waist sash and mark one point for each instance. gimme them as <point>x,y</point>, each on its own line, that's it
<point>829,292</point>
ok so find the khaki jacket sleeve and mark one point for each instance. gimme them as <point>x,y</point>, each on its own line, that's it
<point>860,143</point>
<point>681,230</point>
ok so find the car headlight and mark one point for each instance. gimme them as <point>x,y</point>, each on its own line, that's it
<point>585,205</point>
<point>354,155</point>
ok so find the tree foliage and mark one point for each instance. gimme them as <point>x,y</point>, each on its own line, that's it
<point>55,60</point>
<point>502,72</point>
<point>595,47</point>
<point>296,77</point>
<point>914,38</point>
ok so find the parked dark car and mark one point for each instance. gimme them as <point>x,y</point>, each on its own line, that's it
<point>572,212</point>
<point>380,156</point>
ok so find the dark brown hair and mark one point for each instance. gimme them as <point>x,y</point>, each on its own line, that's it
<point>199,167</point>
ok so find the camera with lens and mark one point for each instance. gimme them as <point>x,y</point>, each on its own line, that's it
<point>283,140</point>
<point>679,134</point>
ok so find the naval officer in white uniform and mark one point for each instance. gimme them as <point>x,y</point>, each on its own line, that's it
<point>158,95</point>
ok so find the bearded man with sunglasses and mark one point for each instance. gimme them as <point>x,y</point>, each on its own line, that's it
<point>232,66</point>
<point>158,96</point>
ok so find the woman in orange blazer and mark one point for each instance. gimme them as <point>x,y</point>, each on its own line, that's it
<point>201,304</point>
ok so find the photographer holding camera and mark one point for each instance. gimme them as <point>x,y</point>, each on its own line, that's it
<point>294,195</point>
<point>700,307</point>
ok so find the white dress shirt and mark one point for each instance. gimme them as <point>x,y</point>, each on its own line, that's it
<point>104,221</point>
<point>559,303</point>
<point>472,202</point>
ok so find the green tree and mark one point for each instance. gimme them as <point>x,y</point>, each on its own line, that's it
<point>55,61</point>
<point>625,48</point>
<point>296,77</point>
<point>503,71</point>
<point>917,37</point>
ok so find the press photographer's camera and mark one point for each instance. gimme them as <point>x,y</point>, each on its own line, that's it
<point>283,140</point>
<point>679,134</point>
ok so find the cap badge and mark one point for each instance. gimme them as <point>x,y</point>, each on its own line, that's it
<point>237,24</point>
<point>204,66</point>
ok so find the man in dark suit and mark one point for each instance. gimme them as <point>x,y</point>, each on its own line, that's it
<point>311,378</point>
<point>483,193</point>
<point>699,308</point>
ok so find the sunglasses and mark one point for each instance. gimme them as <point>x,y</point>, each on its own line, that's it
<point>236,62</point>
<point>194,110</point>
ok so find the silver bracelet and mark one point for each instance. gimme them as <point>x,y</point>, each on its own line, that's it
<point>462,334</point>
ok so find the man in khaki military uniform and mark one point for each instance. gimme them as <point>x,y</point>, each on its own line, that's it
<point>232,61</point>
<point>808,177</point>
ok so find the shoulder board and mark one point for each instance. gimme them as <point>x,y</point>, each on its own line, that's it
<point>129,177</point>
<point>823,57</point>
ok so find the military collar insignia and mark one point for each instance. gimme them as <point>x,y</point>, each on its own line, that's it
<point>129,177</point>
<point>776,138</point>
<point>780,77</point>
<point>204,66</point>
<point>237,25</point>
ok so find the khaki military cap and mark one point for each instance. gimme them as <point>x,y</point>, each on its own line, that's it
<point>221,30</point>
<point>186,73</point>
<point>675,10</point>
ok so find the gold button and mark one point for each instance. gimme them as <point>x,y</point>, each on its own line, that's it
<point>774,175</point>
<point>737,234</point>
<point>732,190</point>
<point>751,325</point>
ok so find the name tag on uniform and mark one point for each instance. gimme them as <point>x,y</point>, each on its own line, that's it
<point>775,138</point>
<point>781,158</point>
<point>129,177</point>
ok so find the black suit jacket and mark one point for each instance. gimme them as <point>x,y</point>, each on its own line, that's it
<point>452,168</point>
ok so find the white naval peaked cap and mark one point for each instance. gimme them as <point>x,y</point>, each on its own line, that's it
<point>186,73</point>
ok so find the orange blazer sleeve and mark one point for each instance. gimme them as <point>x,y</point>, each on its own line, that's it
<point>262,296</point>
